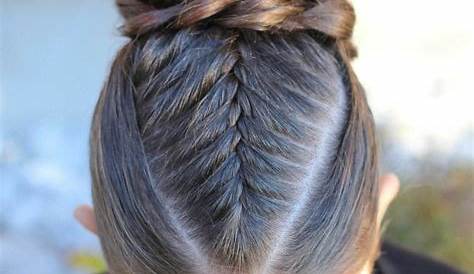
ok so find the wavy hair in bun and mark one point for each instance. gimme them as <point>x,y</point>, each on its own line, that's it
<point>234,137</point>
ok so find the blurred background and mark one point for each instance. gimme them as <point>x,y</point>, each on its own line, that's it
<point>416,62</point>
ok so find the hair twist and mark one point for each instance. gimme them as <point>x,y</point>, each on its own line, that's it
<point>335,18</point>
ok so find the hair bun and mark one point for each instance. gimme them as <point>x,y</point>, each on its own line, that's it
<point>334,18</point>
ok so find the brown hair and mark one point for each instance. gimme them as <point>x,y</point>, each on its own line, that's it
<point>234,137</point>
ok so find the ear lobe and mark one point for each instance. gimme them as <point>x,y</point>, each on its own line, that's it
<point>85,215</point>
<point>389,187</point>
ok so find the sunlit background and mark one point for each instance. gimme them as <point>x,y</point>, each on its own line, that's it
<point>416,62</point>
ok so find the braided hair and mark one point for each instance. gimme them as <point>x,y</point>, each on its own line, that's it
<point>232,136</point>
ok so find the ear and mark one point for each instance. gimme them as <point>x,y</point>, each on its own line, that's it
<point>85,215</point>
<point>388,190</point>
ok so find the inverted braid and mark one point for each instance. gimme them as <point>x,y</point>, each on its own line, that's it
<point>212,147</point>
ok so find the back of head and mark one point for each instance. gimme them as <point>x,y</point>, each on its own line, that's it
<point>233,137</point>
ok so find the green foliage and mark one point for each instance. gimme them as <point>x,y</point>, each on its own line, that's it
<point>89,262</point>
<point>435,216</point>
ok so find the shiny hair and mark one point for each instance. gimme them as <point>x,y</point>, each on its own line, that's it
<point>234,137</point>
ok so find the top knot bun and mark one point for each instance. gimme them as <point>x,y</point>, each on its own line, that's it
<point>334,18</point>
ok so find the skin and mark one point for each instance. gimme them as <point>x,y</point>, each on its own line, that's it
<point>389,187</point>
